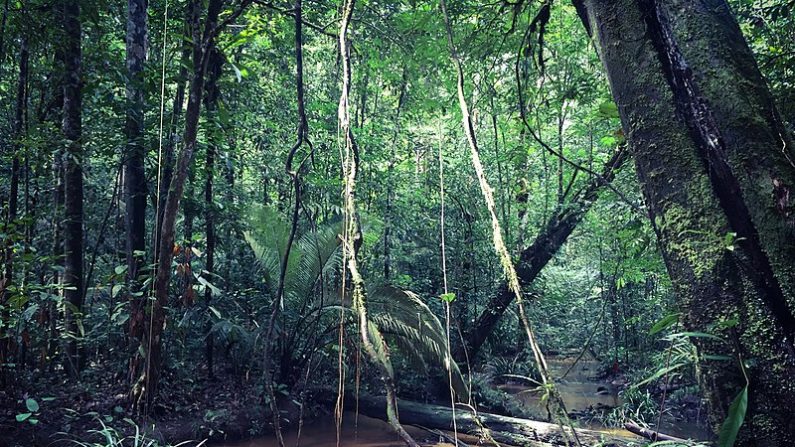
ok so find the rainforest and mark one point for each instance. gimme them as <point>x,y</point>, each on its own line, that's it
<point>270,223</point>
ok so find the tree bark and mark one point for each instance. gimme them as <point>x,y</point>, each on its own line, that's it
<point>3,21</point>
<point>133,175</point>
<point>13,199</point>
<point>173,133</point>
<point>533,259</point>
<point>147,368</point>
<point>134,178</point>
<point>715,166</point>
<point>212,94</point>
<point>73,178</point>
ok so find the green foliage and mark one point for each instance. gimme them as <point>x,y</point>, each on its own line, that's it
<point>636,406</point>
<point>734,419</point>
<point>664,323</point>
<point>395,314</point>
<point>109,436</point>
<point>32,415</point>
<point>606,292</point>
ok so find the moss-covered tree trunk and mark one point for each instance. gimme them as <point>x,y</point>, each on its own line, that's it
<point>715,166</point>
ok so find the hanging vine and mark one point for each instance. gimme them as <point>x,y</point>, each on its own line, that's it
<point>302,137</point>
<point>512,279</point>
<point>373,344</point>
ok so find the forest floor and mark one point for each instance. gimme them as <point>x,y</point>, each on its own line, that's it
<point>228,410</point>
<point>197,409</point>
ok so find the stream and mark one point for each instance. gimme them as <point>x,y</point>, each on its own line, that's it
<point>579,390</point>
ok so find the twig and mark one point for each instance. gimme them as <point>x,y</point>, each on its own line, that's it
<point>291,13</point>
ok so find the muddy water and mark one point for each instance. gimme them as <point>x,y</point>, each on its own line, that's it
<point>579,389</point>
<point>366,432</point>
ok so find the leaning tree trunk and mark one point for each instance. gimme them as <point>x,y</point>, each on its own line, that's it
<point>715,165</point>
<point>134,178</point>
<point>533,259</point>
<point>167,157</point>
<point>73,178</point>
<point>145,369</point>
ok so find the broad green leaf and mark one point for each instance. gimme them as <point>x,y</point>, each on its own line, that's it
<point>660,373</point>
<point>731,426</point>
<point>448,297</point>
<point>32,405</point>
<point>664,323</point>
<point>727,324</point>
<point>729,239</point>
<point>697,335</point>
<point>215,312</point>
<point>22,417</point>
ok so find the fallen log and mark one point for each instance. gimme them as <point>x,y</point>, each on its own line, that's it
<point>505,430</point>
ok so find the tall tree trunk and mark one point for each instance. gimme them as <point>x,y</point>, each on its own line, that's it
<point>57,208</point>
<point>715,166</point>
<point>148,372</point>
<point>134,177</point>
<point>13,199</point>
<point>73,178</point>
<point>533,259</point>
<point>3,21</point>
<point>212,94</point>
<point>173,133</point>
<point>166,161</point>
<point>390,194</point>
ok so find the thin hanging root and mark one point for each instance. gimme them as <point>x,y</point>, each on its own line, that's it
<point>448,359</point>
<point>353,236</point>
<point>302,131</point>
<point>499,244</point>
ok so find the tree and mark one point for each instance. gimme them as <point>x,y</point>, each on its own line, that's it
<point>211,98</point>
<point>535,257</point>
<point>13,194</point>
<point>715,165</point>
<point>73,178</point>
<point>134,177</point>
<point>147,372</point>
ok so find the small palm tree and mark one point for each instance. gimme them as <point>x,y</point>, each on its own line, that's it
<point>312,309</point>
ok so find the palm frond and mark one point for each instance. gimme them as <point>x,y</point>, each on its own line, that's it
<point>402,314</point>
